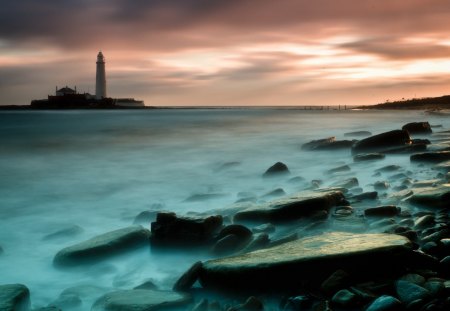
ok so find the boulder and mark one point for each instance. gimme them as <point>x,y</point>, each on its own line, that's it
<point>407,292</point>
<point>310,259</point>
<point>329,143</point>
<point>102,246</point>
<point>140,300</point>
<point>277,169</point>
<point>382,142</point>
<point>382,211</point>
<point>371,195</point>
<point>368,157</point>
<point>185,282</point>
<point>170,230</point>
<point>303,204</point>
<point>345,298</point>
<point>14,297</point>
<point>339,169</point>
<point>438,197</point>
<point>431,157</point>
<point>385,303</point>
<point>418,128</point>
<point>388,168</point>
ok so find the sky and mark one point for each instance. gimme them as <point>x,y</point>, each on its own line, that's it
<point>228,52</point>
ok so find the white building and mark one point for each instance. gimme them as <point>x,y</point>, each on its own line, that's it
<point>100,81</point>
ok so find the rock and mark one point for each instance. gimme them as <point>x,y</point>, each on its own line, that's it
<point>381,185</point>
<point>336,281</point>
<point>147,285</point>
<point>438,197</point>
<point>264,228</point>
<point>368,157</point>
<point>228,244</point>
<point>53,308</point>
<point>303,204</point>
<point>339,169</point>
<point>288,238</point>
<point>302,302</point>
<point>251,304</point>
<point>199,197</point>
<point>414,278</point>
<point>69,231</point>
<point>279,192</point>
<point>329,143</point>
<point>418,128</point>
<point>358,133</point>
<point>260,241</point>
<point>382,142</point>
<point>385,303</point>
<point>102,246</point>
<point>312,258</point>
<point>185,282</point>
<point>371,195</point>
<point>145,217</point>
<point>14,297</point>
<point>382,211</point>
<point>345,298</point>
<point>67,301</point>
<point>201,306</point>
<point>170,230</point>
<point>277,169</point>
<point>139,300</point>
<point>424,222</point>
<point>444,266</point>
<point>436,288</point>
<point>347,183</point>
<point>412,148</point>
<point>431,157</point>
<point>388,168</point>
<point>407,292</point>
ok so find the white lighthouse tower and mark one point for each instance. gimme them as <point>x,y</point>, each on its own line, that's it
<point>100,77</point>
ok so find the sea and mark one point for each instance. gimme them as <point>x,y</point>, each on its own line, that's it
<point>87,172</point>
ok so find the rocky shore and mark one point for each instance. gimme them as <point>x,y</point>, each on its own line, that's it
<point>324,248</point>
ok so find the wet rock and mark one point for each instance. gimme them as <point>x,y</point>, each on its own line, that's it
<point>287,238</point>
<point>277,169</point>
<point>382,211</point>
<point>414,278</point>
<point>139,300</point>
<point>343,211</point>
<point>102,246</point>
<point>310,259</point>
<point>438,197</point>
<point>199,197</point>
<point>239,230</point>
<point>301,302</point>
<point>336,281</point>
<point>431,157</point>
<point>48,309</point>
<point>418,128</point>
<point>228,244</point>
<point>436,236</point>
<point>14,297</point>
<point>251,304</point>
<point>424,222</point>
<point>67,301</point>
<point>260,241</point>
<point>345,298</point>
<point>67,232</point>
<point>444,266</point>
<point>264,228</point>
<point>291,208</point>
<point>147,285</point>
<point>436,288</point>
<point>279,192</point>
<point>227,165</point>
<point>202,305</point>
<point>170,230</point>
<point>145,217</point>
<point>382,142</point>
<point>388,168</point>
<point>358,133</point>
<point>185,282</point>
<point>329,143</point>
<point>371,195</point>
<point>381,185</point>
<point>407,292</point>
<point>347,183</point>
<point>368,157</point>
<point>385,303</point>
<point>339,169</point>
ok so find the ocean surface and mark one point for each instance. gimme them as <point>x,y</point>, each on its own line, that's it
<point>97,170</point>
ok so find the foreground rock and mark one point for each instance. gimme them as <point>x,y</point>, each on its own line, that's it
<point>170,230</point>
<point>140,300</point>
<point>14,297</point>
<point>418,128</point>
<point>438,197</point>
<point>291,208</point>
<point>382,142</point>
<point>431,157</point>
<point>310,260</point>
<point>102,246</point>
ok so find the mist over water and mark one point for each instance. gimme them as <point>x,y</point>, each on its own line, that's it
<point>99,169</point>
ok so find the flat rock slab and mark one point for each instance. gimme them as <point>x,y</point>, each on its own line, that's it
<point>310,259</point>
<point>431,157</point>
<point>433,197</point>
<point>14,297</point>
<point>141,300</point>
<point>291,208</point>
<point>102,246</point>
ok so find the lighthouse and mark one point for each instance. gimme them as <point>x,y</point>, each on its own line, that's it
<point>100,77</point>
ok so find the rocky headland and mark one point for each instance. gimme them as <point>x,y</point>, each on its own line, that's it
<point>323,248</point>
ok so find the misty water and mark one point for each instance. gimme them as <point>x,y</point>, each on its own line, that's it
<point>99,169</point>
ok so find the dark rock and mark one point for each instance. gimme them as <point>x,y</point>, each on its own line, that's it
<point>48,309</point>
<point>227,166</point>
<point>277,169</point>
<point>414,278</point>
<point>358,133</point>
<point>67,301</point>
<point>436,288</point>
<point>444,266</point>
<point>264,228</point>
<point>102,246</point>
<point>385,303</point>
<point>302,302</point>
<point>421,141</point>
<point>260,241</point>
<point>185,282</point>
<point>336,281</point>
<point>239,230</point>
<point>372,195</point>
<point>388,168</point>
<point>69,231</point>
<point>139,300</point>
<point>381,185</point>
<point>382,142</point>
<point>288,238</point>
<point>201,306</point>
<point>145,217</point>
<point>275,193</point>
<point>170,230</point>
<point>312,258</point>
<point>345,298</point>
<point>339,169</point>
<point>14,297</point>
<point>291,208</point>
<point>382,211</point>
<point>431,157</point>
<point>418,128</point>
<point>329,143</point>
<point>147,285</point>
<point>436,236</point>
<point>424,222</point>
<point>228,244</point>
<point>407,292</point>
<point>343,211</point>
<point>251,304</point>
<point>199,197</point>
<point>368,157</point>
<point>430,248</point>
<point>438,197</point>
<point>347,183</point>
<point>412,148</point>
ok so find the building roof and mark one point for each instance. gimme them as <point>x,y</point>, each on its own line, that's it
<point>66,90</point>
